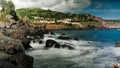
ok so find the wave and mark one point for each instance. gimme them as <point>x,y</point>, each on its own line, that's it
<point>85,55</point>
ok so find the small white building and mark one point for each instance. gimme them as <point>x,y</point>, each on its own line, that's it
<point>67,21</point>
<point>76,23</point>
<point>43,21</point>
<point>36,18</point>
<point>0,10</point>
<point>60,21</point>
<point>51,21</point>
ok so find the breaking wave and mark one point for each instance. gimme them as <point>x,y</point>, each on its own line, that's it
<point>86,55</point>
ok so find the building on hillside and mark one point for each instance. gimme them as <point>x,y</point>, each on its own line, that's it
<point>36,18</point>
<point>42,20</point>
<point>60,21</point>
<point>76,23</point>
<point>67,21</point>
<point>51,21</point>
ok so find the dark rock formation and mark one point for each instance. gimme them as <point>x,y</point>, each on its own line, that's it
<point>64,37</point>
<point>12,54</point>
<point>16,61</point>
<point>117,44</point>
<point>54,44</point>
<point>26,43</point>
<point>77,39</point>
<point>4,64</point>
<point>117,65</point>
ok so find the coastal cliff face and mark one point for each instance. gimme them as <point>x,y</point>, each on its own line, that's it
<point>89,21</point>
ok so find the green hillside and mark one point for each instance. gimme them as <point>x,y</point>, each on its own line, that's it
<point>33,12</point>
<point>37,12</point>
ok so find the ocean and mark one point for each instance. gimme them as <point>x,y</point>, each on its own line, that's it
<point>95,49</point>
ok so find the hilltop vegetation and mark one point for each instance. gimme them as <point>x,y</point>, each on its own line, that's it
<point>37,12</point>
<point>32,12</point>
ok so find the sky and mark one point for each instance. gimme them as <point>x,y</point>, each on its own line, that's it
<point>106,9</point>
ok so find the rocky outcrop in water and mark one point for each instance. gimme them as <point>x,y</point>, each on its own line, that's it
<point>54,44</point>
<point>117,65</point>
<point>117,44</point>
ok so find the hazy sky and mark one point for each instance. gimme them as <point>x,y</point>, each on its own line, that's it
<point>107,9</point>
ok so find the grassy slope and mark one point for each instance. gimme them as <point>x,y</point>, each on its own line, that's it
<point>48,14</point>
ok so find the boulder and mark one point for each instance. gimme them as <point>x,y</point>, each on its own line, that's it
<point>26,43</point>
<point>19,60</point>
<point>77,39</point>
<point>54,44</point>
<point>117,44</point>
<point>4,64</point>
<point>64,37</point>
<point>23,60</point>
<point>18,34</point>
<point>117,65</point>
<point>12,54</point>
<point>11,46</point>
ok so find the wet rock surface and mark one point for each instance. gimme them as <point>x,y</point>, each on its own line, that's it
<point>54,44</point>
<point>117,65</point>
<point>117,44</point>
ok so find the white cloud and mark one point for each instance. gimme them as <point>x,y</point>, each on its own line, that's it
<point>57,5</point>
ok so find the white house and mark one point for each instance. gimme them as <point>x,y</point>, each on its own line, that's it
<point>0,10</point>
<point>67,21</point>
<point>76,23</point>
<point>46,21</point>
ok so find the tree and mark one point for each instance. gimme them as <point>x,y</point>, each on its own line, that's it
<point>10,10</point>
<point>3,5</point>
<point>10,7</point>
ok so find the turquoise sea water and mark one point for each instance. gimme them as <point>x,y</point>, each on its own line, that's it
<point>94,35</point>
<point>95,50</point>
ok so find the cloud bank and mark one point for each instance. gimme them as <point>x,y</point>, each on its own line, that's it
<point>56,5</point>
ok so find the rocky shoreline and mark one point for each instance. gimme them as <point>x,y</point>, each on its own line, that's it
<point>14,42</point>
